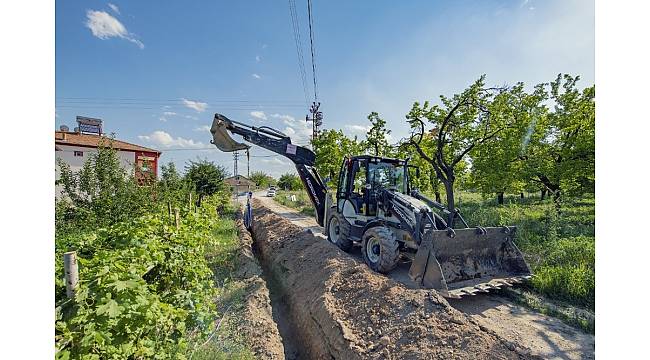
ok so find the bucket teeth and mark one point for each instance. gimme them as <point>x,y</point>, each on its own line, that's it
<point>481,288</point>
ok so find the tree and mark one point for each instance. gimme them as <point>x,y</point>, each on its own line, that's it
<point>169,176</point>
<point>331,147</point>
<point>102,192</point>
<point>376,141</point>
<point>460,124</point>
<point>205,177</point>
<point>560,154</point>
<point>497,168</point>
<point>290,181</point>
<point>262,179</point>
<point>427,181</point>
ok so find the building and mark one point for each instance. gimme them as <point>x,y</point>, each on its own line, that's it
<point>239,184</point>
<point>74,147</point>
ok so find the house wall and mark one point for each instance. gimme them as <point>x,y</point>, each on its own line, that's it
<point>127,159</point>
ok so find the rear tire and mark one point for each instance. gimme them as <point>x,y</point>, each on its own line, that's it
<point>380,249</point>
<point>338,231</point>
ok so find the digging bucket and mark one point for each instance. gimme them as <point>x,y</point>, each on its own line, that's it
<point>468,261</point>
<point>221,138</point>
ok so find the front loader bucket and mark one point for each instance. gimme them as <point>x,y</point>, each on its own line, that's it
<point>220,137</point>
<point>467,261</point>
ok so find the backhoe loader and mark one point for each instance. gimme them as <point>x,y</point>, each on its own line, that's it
<point>375,207</point>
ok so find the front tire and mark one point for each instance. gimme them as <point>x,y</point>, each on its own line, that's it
<point>338,231</point>
<point>380,249</point>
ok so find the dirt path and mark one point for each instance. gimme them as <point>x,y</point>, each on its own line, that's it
<point>543,335</point>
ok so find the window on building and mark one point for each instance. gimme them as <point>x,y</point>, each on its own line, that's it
<point>78,153</point>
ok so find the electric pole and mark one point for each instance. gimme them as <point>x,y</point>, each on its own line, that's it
<point>248,164</point>
<point>316,119</point>
<point>235,156</point>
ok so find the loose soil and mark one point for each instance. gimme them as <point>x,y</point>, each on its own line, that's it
<point>343,310</point>
<point>255,320</point>
<point>513,325</point>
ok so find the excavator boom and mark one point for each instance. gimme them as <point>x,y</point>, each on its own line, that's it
<point>279,143</point>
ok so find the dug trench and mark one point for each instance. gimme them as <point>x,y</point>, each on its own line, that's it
<point>328,305</point>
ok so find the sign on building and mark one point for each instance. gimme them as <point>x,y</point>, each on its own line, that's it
<point>89,125</point>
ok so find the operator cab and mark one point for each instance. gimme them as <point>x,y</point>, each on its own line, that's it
<point>361,180</point>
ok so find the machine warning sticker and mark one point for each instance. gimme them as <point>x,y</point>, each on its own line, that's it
<point>291,149</point>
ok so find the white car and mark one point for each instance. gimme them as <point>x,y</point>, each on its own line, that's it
<point>270,193</point>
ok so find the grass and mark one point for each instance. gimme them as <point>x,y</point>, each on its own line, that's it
<point>560,248</point>
<point>302,203</point>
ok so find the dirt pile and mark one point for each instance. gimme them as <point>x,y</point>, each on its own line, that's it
<point>255,319</point>
<point>345,311</point>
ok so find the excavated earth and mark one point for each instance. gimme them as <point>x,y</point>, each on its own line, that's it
<point>255,319</point>
<point>337,308</point>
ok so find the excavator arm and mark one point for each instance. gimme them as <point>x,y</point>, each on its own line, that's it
<point>279,143</point>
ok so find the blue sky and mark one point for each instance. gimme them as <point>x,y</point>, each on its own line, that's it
<point>156,72</point>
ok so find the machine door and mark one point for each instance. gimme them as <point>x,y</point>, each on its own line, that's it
<point>358,193</point>
<point>341,188</point>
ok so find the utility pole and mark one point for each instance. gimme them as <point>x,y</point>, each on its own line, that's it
<point>248,164</point>
<point>316,119</point>
<point>235,156</point>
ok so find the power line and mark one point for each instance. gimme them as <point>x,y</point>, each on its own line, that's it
<point>298,41</point>
<point>144,107</point>
<point>311,41</point>
<point>180,101</point>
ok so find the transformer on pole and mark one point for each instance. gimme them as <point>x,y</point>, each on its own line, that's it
<point>316,119</point>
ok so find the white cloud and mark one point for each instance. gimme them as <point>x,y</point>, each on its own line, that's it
<point>358,129</point>
<point>165,116</point>
<point>258,58</point>
<point>202,128</point>
<point>196,105</point>
<point>275,161</point>
<point>264,46</point>
<point>256,76</point>
<point>298,131</point>
<point>104,26</point>
<point>260,115</point>
<point>114,8</point>
<point>165,140</point>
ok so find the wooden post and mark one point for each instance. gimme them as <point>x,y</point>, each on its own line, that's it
<point>169,209</point>
<point>177,217</point>
<point>190,201</point>
<point>71,273</point>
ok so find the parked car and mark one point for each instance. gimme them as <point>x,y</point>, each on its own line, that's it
<point>270,193</point>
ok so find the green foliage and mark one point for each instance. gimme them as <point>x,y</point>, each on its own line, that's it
<point>147,289</point>
<point>331,147</point>
<point>102,192</point>
<point>290,181</point>
<point>205,177</point>
<point>376,142</point>
<point>497,168</point>
<point>560,153</point>
<point>145,285</point>
<point>262,179</point>
<point>458,125</point>
<point>302,203</point>
<point>559,247</point>
<point>568,271</point>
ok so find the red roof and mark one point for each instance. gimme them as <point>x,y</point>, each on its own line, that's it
<point>94,141</point>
